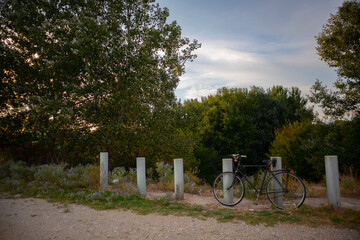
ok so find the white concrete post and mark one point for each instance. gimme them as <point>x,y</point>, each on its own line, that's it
<point>104,165</point>
<point>275,185</point>
<point>179,178</point>
<point>141,175</point>
<point>228,179</point>
<point>332,181</point>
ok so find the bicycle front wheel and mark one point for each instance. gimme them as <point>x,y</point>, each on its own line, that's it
<point>228,189</point>
<point>286,191</point>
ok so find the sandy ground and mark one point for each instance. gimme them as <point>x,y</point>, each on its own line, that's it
<point>33,218</point>
<point>208,201</point>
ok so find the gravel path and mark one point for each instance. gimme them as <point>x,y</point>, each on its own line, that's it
<point>38,219</point>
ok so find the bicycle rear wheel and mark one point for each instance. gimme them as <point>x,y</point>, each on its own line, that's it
<point>286,191</point>
<point>228,189</point>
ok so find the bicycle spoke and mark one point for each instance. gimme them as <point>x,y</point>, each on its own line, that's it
<point>228,189</point>
<point>285,190</point>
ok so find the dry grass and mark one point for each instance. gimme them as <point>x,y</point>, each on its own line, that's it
<point>350,184</point>
<point>316,190</point>
<point>164,187</point>
<point>349,188</point>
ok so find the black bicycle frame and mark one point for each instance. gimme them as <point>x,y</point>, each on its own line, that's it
<point>242,175</point>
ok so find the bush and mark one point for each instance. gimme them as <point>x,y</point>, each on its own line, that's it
<point>117,175</point>
<point>165,172</point>
<point>16,171</point>
<point>303,145</point>
<point>91,177</point>
<point>53,174</point>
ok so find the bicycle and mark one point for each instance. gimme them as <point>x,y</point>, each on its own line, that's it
<point>284,189</point>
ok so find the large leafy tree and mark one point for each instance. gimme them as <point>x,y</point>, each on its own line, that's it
<point>41,70</point>
<point>71,67</point>
<point>339,47</point>
<point>242,121</point>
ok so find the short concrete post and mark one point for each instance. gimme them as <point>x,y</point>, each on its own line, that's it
<point>277,186</point>
<point>179,178</point>
<point>332,181</point>
<point>141,175</point>
<point>228,179</point>
<point>104,165</point>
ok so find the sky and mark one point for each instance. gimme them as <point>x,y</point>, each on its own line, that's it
<point>252,43</point>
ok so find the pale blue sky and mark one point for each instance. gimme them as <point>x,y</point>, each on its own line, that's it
<point>252,42</point>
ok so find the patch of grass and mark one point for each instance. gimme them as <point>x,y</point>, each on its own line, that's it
<point>269,218</point>
<point>326,215</point>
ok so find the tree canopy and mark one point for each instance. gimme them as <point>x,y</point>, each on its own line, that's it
<point>339,47</point>
<point>71,68</point>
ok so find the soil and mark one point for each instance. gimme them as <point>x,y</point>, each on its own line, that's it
<point>33,218</point>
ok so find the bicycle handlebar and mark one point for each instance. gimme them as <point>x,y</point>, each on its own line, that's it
<point>237,157</point>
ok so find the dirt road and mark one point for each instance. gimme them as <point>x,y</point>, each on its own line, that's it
<point>38,219</point>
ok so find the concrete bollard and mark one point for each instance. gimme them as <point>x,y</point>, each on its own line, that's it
<point>179,178</point>
<point>277,187</point>
<point>332,181</point>
<point>104,165</point>
<point>227,164</point>
<point>141,175</point>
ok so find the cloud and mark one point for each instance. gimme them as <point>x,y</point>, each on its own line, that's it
<point>241,64</point>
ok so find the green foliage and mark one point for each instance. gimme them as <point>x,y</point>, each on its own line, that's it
<point>54,174</point>
<point>303,145</point>
<point>296,143</point>
<point>17,172</point>
<point>210,163</point>
<point>74,89</point>
<point>17,176</point>
<point>339,41</point>
<point>192,184</point>
<point>241,121</point>
<point>117,175</point>
<point>165,172</point>
<point>339,47</point>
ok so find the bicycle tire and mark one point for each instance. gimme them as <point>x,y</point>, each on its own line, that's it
<point>290,194</point>
<point>232,193</point>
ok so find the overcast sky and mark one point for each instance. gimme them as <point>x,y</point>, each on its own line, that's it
<point>252,42</point>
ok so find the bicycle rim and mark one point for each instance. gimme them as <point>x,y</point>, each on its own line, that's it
<point>228,189</point>
<point>286,191</point>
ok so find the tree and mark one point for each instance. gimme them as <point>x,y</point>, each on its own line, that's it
<point>100,70</point>
<point>339,47</point>
<point>40,72</point>
<point>243,121</point>
<point>303,145</point>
